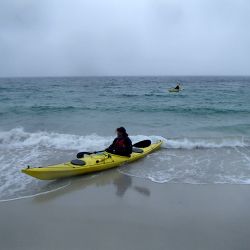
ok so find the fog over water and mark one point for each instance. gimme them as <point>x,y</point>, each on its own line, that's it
<point>110,37</point>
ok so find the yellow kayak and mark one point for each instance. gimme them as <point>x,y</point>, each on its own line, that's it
<point>88,164</point>
<point>174,90</point>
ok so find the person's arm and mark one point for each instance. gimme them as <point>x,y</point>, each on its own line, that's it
<point>111,147</point>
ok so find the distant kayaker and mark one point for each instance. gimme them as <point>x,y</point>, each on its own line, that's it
<point>178,86</point>
<point>121,145</point>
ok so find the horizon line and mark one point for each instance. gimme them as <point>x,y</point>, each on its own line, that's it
<point>78,76</point>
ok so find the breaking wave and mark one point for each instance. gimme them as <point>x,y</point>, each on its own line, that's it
<point>18,138</point>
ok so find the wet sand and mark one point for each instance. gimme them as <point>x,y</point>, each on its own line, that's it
<point>114,211</point>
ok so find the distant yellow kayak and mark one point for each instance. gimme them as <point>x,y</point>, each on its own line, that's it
<point>174,90</point>
<point>88,164</point>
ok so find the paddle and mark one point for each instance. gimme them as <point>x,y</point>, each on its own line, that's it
<point>81,154</point>
<point>140,144</point>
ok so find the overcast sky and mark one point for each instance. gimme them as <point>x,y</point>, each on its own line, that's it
<point>124,37</point>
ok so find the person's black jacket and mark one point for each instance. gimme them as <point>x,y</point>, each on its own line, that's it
<point>120,146</point>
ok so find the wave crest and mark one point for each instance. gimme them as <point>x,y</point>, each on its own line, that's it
<point>18,138</point>
<point>189,143</point>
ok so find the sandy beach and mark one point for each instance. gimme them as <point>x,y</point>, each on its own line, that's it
<point>114,211</point>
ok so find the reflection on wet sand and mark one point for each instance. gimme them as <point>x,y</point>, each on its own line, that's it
<point>120,181</point>
<point>142,190</point>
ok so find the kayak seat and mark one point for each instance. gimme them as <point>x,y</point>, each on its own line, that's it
<point>78,162</point>
<point>137,150</point>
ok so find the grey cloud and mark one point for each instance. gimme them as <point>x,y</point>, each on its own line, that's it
<point>110,37</point>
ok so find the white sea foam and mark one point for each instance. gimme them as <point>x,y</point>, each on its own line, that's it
<point>207,166</point>
<point>17,138</point>
<point>192,143</point>
<point>35,195</point>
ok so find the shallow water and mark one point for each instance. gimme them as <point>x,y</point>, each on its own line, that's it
<point>205,127</point>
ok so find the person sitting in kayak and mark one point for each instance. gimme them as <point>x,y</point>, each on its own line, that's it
<point>178,86</point>
<point>121,145</point>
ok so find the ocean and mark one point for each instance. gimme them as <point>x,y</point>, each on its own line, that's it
<point>205,127</point>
